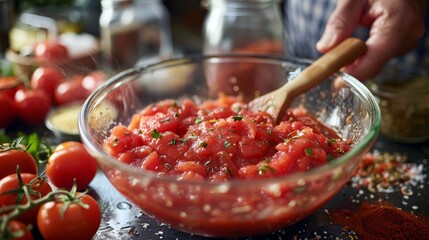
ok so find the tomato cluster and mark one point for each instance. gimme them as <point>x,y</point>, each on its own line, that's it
<point>50,84</point>
<point>49,203</point>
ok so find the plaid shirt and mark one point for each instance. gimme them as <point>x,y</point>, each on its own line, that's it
<point>305,21</point>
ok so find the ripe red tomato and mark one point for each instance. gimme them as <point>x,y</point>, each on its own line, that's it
<point>76,223</point>
<point>51,51</point>
<point>47,79</point>
<point>9,85</point>
<point>33,105</point>
<point>10,183</point>
<point>15,226</point>
<point>70,91</point>
<point>71,162</point>
<point>67,145</point>
<point>7,110</point>
<point>10,159</point>
<point>93,80</point>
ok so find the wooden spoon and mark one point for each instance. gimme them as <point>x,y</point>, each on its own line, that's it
<point>277,101</point>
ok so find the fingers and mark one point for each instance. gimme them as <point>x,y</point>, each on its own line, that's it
<point>396,27</point>
<point>341,23</point>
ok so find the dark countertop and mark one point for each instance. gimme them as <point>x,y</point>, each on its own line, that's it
<point>122,220</point>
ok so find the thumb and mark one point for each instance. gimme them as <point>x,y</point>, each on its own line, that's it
<point>341,23</point>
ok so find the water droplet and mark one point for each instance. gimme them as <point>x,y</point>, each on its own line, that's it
<point>105,228</point>
<point>124,205</point>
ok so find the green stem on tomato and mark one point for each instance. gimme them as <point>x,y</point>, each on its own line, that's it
<point>67,197</point>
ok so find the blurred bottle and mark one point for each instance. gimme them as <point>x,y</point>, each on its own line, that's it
<point>134,30</point>
<point>237,26</point>
<point>243,27</point>
<point>6,19</point>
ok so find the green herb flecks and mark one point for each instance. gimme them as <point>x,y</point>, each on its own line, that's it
<point>309,152</point>
<point>264,168</point>
<point>237,118</point>
<point>156,134</point>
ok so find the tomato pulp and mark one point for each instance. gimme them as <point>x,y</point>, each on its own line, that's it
<point>221,139</point>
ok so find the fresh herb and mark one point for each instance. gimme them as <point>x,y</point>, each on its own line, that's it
<point>270,131</point>
<point>227,144</point>
<point>237,118</point>
<point>185,140</point>
<point>264,168</point>
<point>309,152</point>
<point>156,134</point>
<point>172,141</point>
<point>166,120</point>
<point>175,104</point>
<point>203,144</point>
<point>198,120</point>
<point>330,141</point>
<point>291,138</point>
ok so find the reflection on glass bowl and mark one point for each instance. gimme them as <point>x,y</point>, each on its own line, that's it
<point>238,207</point>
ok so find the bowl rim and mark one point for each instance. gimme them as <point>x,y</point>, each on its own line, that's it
<point>94,99</point>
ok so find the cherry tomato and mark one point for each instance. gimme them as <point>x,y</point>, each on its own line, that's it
<point>93,80</point>
<point>70,91</point>
<point>10,159</point>
<point>10,183</point>
<point>71,162</point>
<point>15,226</point>
<point>7,110</point>
<point>51,51</point>
<point>9,85</point>
<point>76,223</point>
<point>33,105</point>
<point>67,145</point>
<point>47,79</point>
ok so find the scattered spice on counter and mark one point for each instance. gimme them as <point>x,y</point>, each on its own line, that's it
<point>378,221</point>
<point>388,172</point>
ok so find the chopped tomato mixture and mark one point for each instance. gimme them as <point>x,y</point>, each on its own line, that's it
<point>222,139</point>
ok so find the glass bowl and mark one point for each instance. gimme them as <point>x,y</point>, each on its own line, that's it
<point>239,207</point>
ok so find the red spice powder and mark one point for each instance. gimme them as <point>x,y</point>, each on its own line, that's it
<point>381,221</point>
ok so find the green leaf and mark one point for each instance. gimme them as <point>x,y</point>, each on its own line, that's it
<point>203,144</point>
<point>4,138</point>
<point>309,152</point>
<point>198,120</point>
<point>264,167</point>
<point>156,134</point>
<point>237,118</point>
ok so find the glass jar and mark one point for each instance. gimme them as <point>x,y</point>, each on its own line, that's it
<point>134,30</point>
<point>402,93</point>
<point>243,26</point>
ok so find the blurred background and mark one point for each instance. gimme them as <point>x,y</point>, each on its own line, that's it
<point>82,16</point>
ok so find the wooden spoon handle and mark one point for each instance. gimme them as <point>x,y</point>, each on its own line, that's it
<point>343,54</point>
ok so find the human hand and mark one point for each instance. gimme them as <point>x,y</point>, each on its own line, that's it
<point>396,27</point>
